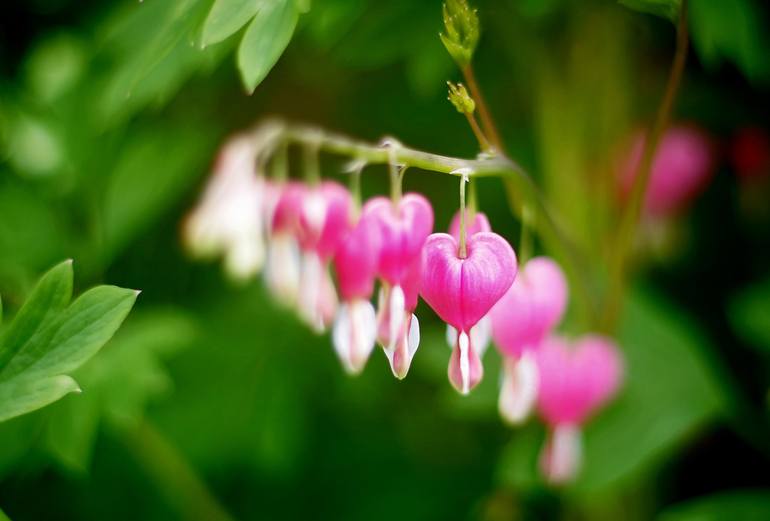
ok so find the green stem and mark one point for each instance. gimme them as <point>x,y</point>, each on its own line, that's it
<point>280,170</point>
<point>630,218</point>
<point>487,123</point>
<point>462,253</point>
<point>172,474</point>
<point>480,137</point>
<point>312,163</point>
<point>473,203</point>
<point>526,239</point>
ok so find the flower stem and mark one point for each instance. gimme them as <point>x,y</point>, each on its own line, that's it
<point>526,239</point>
<point>462,250</point>
<point>480,137</point>
<point>487,122</point>
<point>630,218</point>
<point>312,163</point>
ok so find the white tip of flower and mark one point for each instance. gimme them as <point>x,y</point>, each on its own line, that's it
<point>354,334</point>
<point>562,455</point>
<point>405,346</point>
<point>244,258</point>
<point>317,303</point>
<point>282,272</point>
<point>465,363</point>
<point>519,390</point>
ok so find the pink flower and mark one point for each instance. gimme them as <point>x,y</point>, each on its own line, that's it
<point>461,290</point>
<point>403,229</point>
<point>229,218</point>
<point>575,381</point>
<point>525,315</point>
<point>282,271</point>
<point>356,262</point>
<point>324,221</point>
<point>475,222</point>
<point>682,167</point>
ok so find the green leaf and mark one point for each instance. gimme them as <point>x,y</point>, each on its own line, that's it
<point>227,17</point>
<point>265,40</point>
<point>50,296</point>
<point>23,395</point>
<point>663,8</point>
<point>731,31</point>
<point>739,505</point>
<point>750,315</point>
<point>45,340</point>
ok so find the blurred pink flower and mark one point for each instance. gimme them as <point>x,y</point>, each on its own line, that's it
<point>521,319</point>
<point>682,167</point>
<point>575,381</point>
<point>461,290</point>
<point>324,221</point>
<point>282,271</point>
<point>403,228</point>
<point>355,263</point>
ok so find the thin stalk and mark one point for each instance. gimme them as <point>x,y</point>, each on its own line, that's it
<point>526,239</point>
<point>462,250</point>
<point>473,203</point>
<point>312,163</point>
<point>280,170</point>
<point>487,123</point>
<point>629,220</point>
<point>480,137</point>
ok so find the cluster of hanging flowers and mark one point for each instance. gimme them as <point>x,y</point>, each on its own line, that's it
<point>325,254</point>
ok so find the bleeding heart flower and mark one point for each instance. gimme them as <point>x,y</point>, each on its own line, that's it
<point>355,328</point>
<point>682,166</point>
<point>324,221</point>
<point>574,382</point>
<point>282,271</point>
<point>229,218</point>
<point>461,290</point>
<point>403,230</point>
<point>480,334</point>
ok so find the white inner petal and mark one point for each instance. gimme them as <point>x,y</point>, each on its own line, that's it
<point>519,390</point>
<point>465,364</point>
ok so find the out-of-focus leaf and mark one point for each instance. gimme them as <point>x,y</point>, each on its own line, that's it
<point>227,17</point>
<point>750,315</point>
<point>34,146</point>
<point>740,505</point>
<point>664,8</point>
<point>265,40</point>
<point>55,65</point>
<point>329,22</point>
<point>151,174</point>
<point>45,340</point>
<point>731,31</point>
<point>118,384</point>
<point>668,394</point>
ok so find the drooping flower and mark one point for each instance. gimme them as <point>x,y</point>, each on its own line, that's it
<point>324,221</point>
<point>462,290</point>
<point>282,271</point>
<point>404,227</point>
<point>575,381</point>
<point>682,166</point>
<point>355,263</point>
<point>228,220</point>
<point>522,318</point>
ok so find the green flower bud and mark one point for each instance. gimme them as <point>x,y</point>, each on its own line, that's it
<point>460,98</point>
<point>461,34</point>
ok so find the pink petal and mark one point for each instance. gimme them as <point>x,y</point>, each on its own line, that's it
<point>403,232</point>
<point>288,208</point>
<point>325,218</point>
<point>531,308</point>
<point>462,291</point>
<point>356,261</point>
<point>476,223</point>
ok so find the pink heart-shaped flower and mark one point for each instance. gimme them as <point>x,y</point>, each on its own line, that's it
<point>462,290</point>
<point>575,380</point>
<point>403,230</point>
<point>325,218</point>
<point>475,222</point>
<point>531,308</point>
<point>357,259</point>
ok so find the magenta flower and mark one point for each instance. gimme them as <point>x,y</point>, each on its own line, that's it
<point>403,229</point>
<point>479,334</point>
<point>356,262</point>
<point>229,218</point>
<point>525,315</point>
<point>461,290</point>
<point>575,380</point>
<point>324,221</point>
<point>682,166</point>
<point>282,271</point>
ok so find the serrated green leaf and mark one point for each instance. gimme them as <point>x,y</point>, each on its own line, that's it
<point>265,40</point>
<point>227,17</point>
<point>50,296</point>
<point>23,395</point>
<point>739,505</point>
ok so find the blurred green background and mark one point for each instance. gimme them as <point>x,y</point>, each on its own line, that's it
<point>212,402</point>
